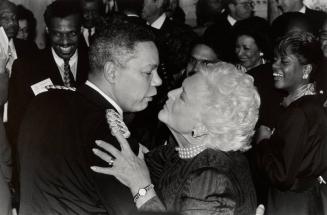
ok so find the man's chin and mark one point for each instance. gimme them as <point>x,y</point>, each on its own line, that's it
<point>64,55</point>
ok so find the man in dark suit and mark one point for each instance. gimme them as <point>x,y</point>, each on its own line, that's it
<point>17,48</point>
<point>52,66</point>
<point>316,17</point>
<point>132,9</point>
<point>220,33</point>
<point>174,42</point>
<point>91,14</point>
<point>60,127</point>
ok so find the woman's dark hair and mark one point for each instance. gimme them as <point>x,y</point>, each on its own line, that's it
<point>25,14</point>
<point>259,29</point>
<point>304,46</point>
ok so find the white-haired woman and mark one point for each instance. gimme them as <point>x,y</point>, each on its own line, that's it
<point>212,119</point>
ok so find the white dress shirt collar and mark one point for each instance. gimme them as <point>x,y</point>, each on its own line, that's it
<point>303,9</point>
<point>159,22</point>
<point>12,49</point>
<point>60,62</point>
<point>231,20</point>
<point>85,32</point>
<point>110,100</point>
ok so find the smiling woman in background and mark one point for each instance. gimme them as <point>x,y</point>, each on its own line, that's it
<point>294,154</point>
<point>201,169</point>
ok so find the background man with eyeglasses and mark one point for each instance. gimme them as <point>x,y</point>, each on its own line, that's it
<point>220,33</point>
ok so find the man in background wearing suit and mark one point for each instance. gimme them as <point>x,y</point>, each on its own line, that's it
<point>174,42</point>
<point>315,17</point>
<point>91,14</point>
<point>62,63</point>
<point>60,127</point>
<point>220,33</point>
<point>17,48</point>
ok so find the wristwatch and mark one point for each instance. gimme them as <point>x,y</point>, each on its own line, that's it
<point>143,191</point>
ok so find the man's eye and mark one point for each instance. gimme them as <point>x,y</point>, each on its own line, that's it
<point>284,61</point>
<point>72,34</point>
<point>56,34</point>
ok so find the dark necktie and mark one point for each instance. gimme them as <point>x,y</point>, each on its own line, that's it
<point>68,75</point>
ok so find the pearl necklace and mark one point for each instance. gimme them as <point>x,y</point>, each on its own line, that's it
<point>187,153</point>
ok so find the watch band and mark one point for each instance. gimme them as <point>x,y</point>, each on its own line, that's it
<point>142,191</point>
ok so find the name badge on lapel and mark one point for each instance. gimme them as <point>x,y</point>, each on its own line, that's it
<point>40,87</point>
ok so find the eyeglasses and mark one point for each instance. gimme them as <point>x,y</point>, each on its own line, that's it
<point>322,36</point>
<point>201,62</point>
<point>248,4</point>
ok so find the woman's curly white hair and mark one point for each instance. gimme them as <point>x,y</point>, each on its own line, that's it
<point>232,107</point>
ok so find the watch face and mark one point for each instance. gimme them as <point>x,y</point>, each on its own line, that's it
<point>142,192</point>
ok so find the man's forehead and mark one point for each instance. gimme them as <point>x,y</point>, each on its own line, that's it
<point>71,20</point>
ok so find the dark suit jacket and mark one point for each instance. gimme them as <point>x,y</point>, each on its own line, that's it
<point>219,35</point>
<point>316,18</point>
<point>25,48</point>
<point>55,154</point>
<point>174,42</point>
<point>25,73</point>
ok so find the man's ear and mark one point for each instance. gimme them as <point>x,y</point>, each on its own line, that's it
<point>110,72</point>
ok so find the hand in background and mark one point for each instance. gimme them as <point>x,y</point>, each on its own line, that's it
<point>263,132</point>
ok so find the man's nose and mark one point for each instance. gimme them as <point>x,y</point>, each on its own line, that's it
<point>156,80</point>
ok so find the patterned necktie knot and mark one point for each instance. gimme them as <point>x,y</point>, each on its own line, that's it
<point>68,75</point>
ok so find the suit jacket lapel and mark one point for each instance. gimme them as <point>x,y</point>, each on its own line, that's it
<point>82,66</point>
<point>52,68</point>
<point>94,97</point>
<point>100,102</point>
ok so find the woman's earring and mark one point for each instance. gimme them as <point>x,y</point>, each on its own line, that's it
<point>305,76</point>
<point>199,131</point>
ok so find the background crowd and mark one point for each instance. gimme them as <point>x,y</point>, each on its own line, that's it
<point>233,110</point>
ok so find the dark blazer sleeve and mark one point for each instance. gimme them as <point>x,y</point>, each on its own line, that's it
<point>5,196</point>
<point>19,96</point>
<point>282,154</point>
<point>3,88</point>
<point>115,196</point>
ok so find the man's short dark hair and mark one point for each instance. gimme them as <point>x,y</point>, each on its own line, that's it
<point>61,9</point>
<point>98,2</point>
<point>115,41</point>
<point>130,6</point>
